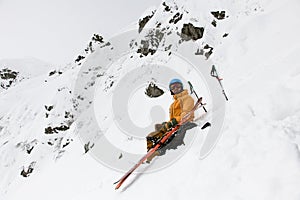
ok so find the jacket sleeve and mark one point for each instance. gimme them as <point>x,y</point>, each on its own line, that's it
<point>178,118</point>
<point>187,105</point>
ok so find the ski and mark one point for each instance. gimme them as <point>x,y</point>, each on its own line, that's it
<point>197,105</point>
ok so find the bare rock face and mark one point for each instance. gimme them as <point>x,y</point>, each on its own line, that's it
<point>150,44</point>
<point>219,14</point>
<point>27,171</point>
<point>176,18</point>
<point>153,91</point>
<point>190,32</point>
<point>7,77</point>
<point>144,21</point>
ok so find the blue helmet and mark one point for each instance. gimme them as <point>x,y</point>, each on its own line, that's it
<point>175,80</point>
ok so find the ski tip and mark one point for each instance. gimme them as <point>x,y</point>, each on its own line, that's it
<point>117,186</point>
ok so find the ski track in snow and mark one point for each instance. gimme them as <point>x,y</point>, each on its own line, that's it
<point>258,156</point>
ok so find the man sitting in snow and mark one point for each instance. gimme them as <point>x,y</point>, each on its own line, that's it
<point>182,104</point>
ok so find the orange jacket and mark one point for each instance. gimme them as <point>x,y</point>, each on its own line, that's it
<point>182,104</point>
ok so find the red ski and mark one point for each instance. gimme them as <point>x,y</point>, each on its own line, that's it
<point>164,139</point>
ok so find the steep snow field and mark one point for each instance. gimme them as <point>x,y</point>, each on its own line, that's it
<point>255,50</point>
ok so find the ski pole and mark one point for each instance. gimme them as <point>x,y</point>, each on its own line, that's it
<point>214,73</point>
<point>193,91</point>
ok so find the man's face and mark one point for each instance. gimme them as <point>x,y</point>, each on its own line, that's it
<point>176,88</point>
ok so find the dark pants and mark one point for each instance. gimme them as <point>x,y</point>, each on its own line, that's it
<point>177,138</point>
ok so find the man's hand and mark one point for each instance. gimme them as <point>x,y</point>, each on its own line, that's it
<point>172,123</point>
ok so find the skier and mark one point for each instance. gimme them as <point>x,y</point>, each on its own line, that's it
<point>169,135</point>
<point>182,104</point>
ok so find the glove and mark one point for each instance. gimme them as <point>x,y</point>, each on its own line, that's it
<point>169,125</point>
<point>172,123</point>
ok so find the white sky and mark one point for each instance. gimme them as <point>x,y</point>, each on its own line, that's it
<point>56,31</point>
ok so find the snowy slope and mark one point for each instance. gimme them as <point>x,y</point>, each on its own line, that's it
<point>258,156</point>
<point>27,109</point>
<point>16,70</point>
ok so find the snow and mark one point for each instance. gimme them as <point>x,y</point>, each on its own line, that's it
<point>256,157</point>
